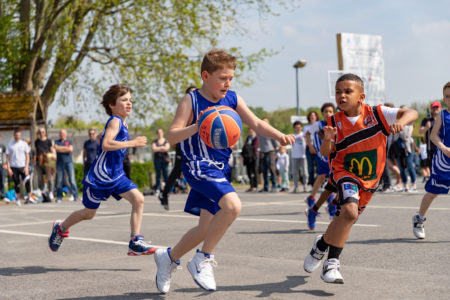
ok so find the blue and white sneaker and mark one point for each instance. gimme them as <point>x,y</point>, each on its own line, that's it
<point>165,269</point>
<point>310,201</point>
<point>56,237</point>
<point>331,207</point>
<point>311,217</point>
<point>137,246</point>
<point>201,269</point>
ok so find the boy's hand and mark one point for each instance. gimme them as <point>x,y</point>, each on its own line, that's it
<point>286,139</point>
<point>140,141</point>
<point>329,133</point>
<point>396,128</point>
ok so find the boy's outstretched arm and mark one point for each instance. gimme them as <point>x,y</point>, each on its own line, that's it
<point>179,131</point>
<point>434,136</point>
<point>109,144</point>
<point>261,127</point>
<point>404,117</point>
<point>327,146</point>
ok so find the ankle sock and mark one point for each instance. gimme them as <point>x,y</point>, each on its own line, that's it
<point>315,208</point>
<point>334,252</point>
<point>322,245</point>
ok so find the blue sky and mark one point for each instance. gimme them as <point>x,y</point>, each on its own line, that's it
<point>416,46</point>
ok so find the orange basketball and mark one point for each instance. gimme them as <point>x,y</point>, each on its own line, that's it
<point>219,127</point>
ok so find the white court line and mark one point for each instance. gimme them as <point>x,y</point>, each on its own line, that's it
<point>72,238</point>
<point>190,217</point>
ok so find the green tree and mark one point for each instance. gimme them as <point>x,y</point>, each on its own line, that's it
<point>155,46</point>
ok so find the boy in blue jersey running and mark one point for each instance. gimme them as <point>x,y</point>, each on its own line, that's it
<point>106,176</point>
<point>212,196</point>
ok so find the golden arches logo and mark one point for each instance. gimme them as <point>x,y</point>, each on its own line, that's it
<point>360,165</point>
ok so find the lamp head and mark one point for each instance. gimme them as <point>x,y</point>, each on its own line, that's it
<point>300,64</point>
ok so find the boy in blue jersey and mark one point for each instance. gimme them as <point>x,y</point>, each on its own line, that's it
<point>207,171</point>
<point>106,176</point>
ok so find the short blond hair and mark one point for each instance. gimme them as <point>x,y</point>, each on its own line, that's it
<point>217,59</point>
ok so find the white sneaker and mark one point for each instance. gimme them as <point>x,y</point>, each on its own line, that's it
<point>166,267</point>
<point>418,228</point>
<point>330,271</point>
<point>312,260</point>
<point>18,202</point>
<point>201,269</point>
<point>58,200</point>
<point>50,195</point>
<point>71,198</point>
<point>6,200</point>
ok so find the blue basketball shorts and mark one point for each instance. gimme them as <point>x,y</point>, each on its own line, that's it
<point>92,197</point>
<point>436,185</point>
<point>322,167</point>
<point>209,181</point>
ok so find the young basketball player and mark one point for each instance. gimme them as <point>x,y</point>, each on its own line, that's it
<point>355,142</point>
<point>439,181</point>
<point>212,196</point>
<point>106,176</point>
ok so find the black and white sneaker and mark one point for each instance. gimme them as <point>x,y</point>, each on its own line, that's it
<point>313,259</point>
<point>330,271</point>
<point>418,228</point>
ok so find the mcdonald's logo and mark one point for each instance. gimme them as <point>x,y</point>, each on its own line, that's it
<point>362,164</point>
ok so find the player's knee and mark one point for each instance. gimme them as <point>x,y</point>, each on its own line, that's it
<point>235,208</point>
<point>88,214</point>
<point>349,212</point>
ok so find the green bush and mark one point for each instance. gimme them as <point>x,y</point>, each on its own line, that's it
<point>139,174</point>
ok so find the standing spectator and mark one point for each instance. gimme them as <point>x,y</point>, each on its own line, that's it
<point>427,125</point>
<point>267,156</point>
<point>174,175</point>
<point>161,158</point>
<point>299,157</point>
<point>31,165</point>
<point>64,163</point>
<point>313,117</point>
<point>127,161</point>
<point>250,156</point>
<point>423,155</point>
<point>90,150</point>
<point>405,161</point>
<point>2,171</point>
<point>17,161</point>
<point>283,168</point>
<point>45,153</point>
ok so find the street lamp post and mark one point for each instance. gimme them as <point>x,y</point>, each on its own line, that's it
<point>299,64</point>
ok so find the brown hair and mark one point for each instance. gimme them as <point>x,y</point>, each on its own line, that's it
<point>311,113</point>
<point>217,59</point>
<point>446,86</point>
<point>115,92</point>
<point>328,104</point>
<point>389,105</point>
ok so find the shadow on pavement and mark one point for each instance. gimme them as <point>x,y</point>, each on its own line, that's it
<point>266,289</point>
<point>29,270</point>
<point>292,231</point>
<point>397,241</point>
<point>123,296</point>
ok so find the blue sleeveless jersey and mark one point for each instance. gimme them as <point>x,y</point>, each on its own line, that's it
<point>194,148</point>
<point>318,142</point>
<point>107,167</point>
<point>441,163</point>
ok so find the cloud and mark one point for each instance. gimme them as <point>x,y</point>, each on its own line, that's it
<point>435,28</point>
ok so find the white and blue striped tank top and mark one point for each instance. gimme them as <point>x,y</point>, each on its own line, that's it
<point>441,163</point>
<point>194,148</point>
<point>108,165</point>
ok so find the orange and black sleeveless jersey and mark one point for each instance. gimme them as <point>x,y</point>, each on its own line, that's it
<point>360,149</point>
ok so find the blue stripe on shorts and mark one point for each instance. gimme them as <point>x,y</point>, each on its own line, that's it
<point>208,185</point>
<point>92,197</point>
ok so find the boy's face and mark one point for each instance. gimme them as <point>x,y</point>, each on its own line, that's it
<point>218,82</point>
<point>447,97</point>
<point>123,106</point>
<point>327,112</point>
<point>349,96</point>
<point>298,128</point>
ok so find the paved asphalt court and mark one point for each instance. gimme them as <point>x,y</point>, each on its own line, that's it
<point>261,256</point>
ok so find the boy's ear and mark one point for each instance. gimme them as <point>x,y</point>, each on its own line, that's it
<point>205,75</point>
<point>362,96</point>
